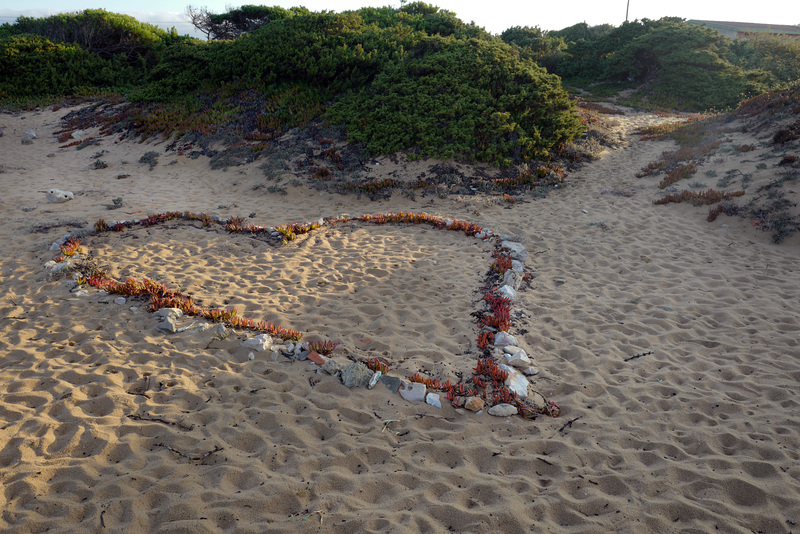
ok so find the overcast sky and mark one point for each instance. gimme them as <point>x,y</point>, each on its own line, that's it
<point>493,15</point>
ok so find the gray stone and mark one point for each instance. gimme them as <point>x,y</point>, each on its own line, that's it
<point>62,267</point>
<point>530,371</point>
<point>516,381</point>
<point>299,349</point>
<point>120,301</point>
<point>169,312</point>
<point>503,410</point>
<point>412,391</point>
<point>391,382</point>
<point>507,292</point>
<point>27,141</point>
<point>518,360</point>
<point>81,292</point>
<point>502,339</point>
<point>516,250</point>
<point>55,196</point>
<point>169,324</point>
<point>516,265</point>
<point>219,330</point>
<point>434,400</point>
<point>512,279</point>
<point>356,374</point>
<point>259,342</point>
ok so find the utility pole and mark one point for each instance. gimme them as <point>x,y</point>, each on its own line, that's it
<point>626,10</point>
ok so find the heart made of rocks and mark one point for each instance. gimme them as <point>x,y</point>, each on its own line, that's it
<point>404,293</point>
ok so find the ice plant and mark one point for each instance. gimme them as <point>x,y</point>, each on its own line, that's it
<point>488,380</point>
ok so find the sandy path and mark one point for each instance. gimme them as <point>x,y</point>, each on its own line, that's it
<point>696,434</point>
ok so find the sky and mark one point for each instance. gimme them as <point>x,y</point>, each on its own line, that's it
<point>493,15</point>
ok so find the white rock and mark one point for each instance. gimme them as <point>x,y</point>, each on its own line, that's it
<point>82,292</point>
<point>516,250</point>
<point>503,410</point>
<point>259,342</point>
<point>519,360</point>
<point>251,356</point>
<point>120,301</point>
<point>62,267</point>
<point>412,391</point>
<point>169,324</point>
<point>168,312</point>
<point>512,279</point>
<point>530,371</point>
<point>516,381</point>
<point>516,265</point>
<point>433,399</point>
<point>507,292</point>
<point>502,339</point>
<point>218,330</point>
<point>57,196</point>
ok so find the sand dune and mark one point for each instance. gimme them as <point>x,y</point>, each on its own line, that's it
<point>670,343</point>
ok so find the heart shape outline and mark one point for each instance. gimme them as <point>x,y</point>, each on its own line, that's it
<point>498,304</point>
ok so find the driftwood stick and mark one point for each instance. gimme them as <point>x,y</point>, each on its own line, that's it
<point>639,356</point>
<point>568,424</point>
<point>136,417</point>
<point>192,458</point>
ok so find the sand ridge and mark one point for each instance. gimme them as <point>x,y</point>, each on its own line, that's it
<point>106,424</point>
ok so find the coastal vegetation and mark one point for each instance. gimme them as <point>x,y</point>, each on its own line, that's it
<point>415,78</point>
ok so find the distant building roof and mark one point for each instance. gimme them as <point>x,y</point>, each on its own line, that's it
<point>744,29</point>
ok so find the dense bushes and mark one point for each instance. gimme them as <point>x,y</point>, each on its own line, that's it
<point>78,52</point>
<point>780,56</point>
<point>100,32</point>
<point>672,63</point>
<point>415,78</point>
<point>33,66</point>
<point>682,66</point>
<point>451,97</point>
<point>411,79</point>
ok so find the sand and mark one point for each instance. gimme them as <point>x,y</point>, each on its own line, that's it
<point>670,343</point>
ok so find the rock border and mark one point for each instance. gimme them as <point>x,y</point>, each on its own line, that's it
<point>499,384</point>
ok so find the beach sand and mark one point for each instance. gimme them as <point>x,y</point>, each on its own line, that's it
<point>671,345</point>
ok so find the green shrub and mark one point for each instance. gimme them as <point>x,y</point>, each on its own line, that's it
<point>106,34</point>
<point>536,45</point>
<point>450,97</point>
<point>33,66</point>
